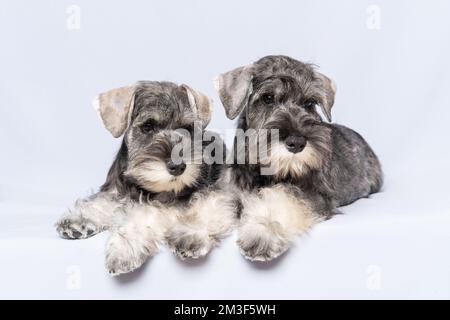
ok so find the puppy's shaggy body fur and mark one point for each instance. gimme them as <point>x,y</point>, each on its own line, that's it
<point>318,166</point>
<point>147,199</point>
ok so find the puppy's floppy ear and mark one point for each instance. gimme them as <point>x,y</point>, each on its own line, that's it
<point>328,91</point>
<point>114,108</point>
<point>234,88</point>
<point>200,104</point>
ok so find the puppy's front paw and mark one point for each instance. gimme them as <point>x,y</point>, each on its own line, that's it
<point>125,255</point>
<point>261,242</point>
<point>191,246</point>
<point>76,228</point>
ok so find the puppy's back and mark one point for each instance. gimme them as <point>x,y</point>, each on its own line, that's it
<point>356,170</point>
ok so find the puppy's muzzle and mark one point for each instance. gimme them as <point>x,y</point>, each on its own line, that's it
<point>175,169</point>
<point>295,144</point>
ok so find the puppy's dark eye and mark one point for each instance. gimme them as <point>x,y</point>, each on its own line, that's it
<point>268,98</point>
<point>148,126</point>
<point>309,104</point>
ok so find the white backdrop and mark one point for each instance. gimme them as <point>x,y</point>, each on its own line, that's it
<point>388,58</point>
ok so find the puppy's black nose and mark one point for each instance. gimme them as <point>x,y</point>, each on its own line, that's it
<point>175,169</point>
<point>295,144</point>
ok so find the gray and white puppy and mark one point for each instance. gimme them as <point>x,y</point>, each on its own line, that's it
<point>148,197</point>
<point>319,166</point>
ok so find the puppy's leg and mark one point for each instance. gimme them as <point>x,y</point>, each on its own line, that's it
<point>135,237</point>
<point>88,217</point>
<point>210,217</point>
<point>270,220</point>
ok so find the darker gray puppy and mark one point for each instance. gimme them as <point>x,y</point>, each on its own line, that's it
<point>153,195</point>
<point>317,166</point>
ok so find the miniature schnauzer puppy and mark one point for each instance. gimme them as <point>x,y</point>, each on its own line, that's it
<point>151,197</point>
<point>317,166</point>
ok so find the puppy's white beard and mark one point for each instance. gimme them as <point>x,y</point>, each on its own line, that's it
<point>153,176</point>
<point>280,162</point>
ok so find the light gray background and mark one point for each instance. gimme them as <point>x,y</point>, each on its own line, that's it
<point>393,87</point>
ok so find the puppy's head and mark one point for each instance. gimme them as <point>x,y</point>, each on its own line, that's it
<point>155,118</point>
<point>278,92</point>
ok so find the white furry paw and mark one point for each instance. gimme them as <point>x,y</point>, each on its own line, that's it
<point>76,228</point>
<point>190,246</point>
<point>260,242</point>
<point>125,255</point>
